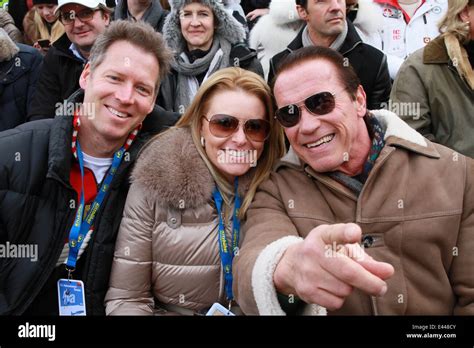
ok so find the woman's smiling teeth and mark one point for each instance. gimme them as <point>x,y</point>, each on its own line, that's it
<point>323,140</point>
<point>117,113</point>
<point>236,153</point>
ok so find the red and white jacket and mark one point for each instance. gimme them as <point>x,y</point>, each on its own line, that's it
<point>401,35</point>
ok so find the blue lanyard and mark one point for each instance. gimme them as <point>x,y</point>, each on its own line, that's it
<point>80,227</point>
<point>227,254</point>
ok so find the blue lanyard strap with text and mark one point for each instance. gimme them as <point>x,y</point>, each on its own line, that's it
<point>227,253</point>
<point>80,227</point>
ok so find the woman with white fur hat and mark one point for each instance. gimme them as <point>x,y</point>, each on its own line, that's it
<point>205,38</point>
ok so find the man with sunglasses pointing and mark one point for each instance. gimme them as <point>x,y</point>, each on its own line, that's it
<point>363,216</point>
<point>84,21</point>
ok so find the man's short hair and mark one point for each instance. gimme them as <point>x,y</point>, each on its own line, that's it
<point>302,3</point>
<point>140,34</point>
<point>345,73</point>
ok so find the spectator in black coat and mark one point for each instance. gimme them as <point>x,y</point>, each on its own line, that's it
<point>19,70</point>
<point>326,26</point>
<point>66,58</point>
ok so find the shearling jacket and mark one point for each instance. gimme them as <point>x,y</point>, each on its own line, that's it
<point>434,93</point>
<point>416,212</point>
<point>167,255</point>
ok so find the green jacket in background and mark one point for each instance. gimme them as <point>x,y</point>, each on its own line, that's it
<point>434,93</point>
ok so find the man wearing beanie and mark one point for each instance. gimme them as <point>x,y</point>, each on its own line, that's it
<point>84,21</point>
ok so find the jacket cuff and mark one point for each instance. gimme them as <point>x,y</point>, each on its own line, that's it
<point>263,287</point>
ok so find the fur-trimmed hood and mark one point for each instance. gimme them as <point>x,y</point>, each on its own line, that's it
<point>8,49</point>
<point>172,170</point>
<point>228,28</point>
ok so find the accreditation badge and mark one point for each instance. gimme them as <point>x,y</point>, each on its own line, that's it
<point>218,309</point>
<point>71,297</point>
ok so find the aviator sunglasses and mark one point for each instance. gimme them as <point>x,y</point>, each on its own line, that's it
<point>318,104</point>
<point>223,126</point>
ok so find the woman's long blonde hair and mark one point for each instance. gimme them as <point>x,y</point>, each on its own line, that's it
<point>229,79</point>
<point>452,23</point>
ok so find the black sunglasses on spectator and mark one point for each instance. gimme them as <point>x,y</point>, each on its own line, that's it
<point>318,104</point>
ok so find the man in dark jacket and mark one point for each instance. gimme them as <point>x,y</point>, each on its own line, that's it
<point>19,70</point>
<point>149,11</point>
<point>66,58</point>
<point>327,26</point>
<point>54,170</point>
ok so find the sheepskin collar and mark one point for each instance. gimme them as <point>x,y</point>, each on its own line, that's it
<point>229,28</point>
<point>447,48</point>
<point>174,173</point>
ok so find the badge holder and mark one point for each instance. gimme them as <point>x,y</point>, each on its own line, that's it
<point>220,310</point>
<point>71,297</point>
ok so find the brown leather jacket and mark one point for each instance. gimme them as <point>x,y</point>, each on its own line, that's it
<point>416,211</point>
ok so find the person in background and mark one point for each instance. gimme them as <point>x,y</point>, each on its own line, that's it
<point>18,9</point>
<point>326,26</point>
<point>191,189</point>
<point>254,9</point>
<point>8,24</point>
<point>283,23</point>
<point>204,38</point>
<point>19,69</point>
<point>42,25</point>
<point>434,90</point>
<point>84,21</point>
<point>408,25</point>
<point>149,11</point>
<point>363,14</point>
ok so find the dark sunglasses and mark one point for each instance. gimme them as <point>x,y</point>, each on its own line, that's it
<point>318,104</point>
<point>84,15</point>
<point>223,126</point>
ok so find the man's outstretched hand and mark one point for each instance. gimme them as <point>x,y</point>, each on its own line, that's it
<point>318,273</point>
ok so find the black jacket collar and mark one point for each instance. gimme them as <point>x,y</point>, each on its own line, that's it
<point>62,48</point>
<point>352,40</point>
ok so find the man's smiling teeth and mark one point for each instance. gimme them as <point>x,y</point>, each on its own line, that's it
<point>323,140</point>
<point>117,113</point>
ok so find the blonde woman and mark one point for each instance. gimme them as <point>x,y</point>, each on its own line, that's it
<point>191,188</point>
<point>42,26</point>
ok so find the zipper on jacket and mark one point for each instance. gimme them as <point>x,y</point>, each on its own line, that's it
<point>373,302</point>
